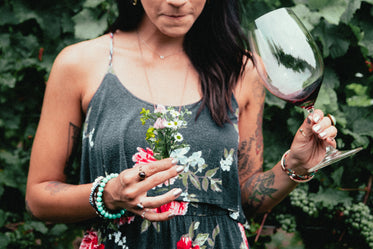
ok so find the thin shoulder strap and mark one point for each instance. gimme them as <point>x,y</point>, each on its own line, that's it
<point>111,50</point>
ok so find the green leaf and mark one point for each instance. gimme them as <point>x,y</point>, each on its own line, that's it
<point>145,225</point>
<point>37,226</point>
<point>87,26</point>
<point>58,229</point>
<point>331,10</point>
<point>367,41</point>
<point>2,218</point>
<point>211,172</point>
<point>205,184</point>
<point>331,197</point>
<point>92,3</point>
<point>309,18</point>
<point>333,41</point>
<point>360,96</point>
<point>4,240</point>
<point>351,9</point>
<point>336,175</point>
<point>194,180</point>
<point>200,239</point>
<point>215,232</point>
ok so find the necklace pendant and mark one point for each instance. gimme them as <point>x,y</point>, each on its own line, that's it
<point>161,57</point>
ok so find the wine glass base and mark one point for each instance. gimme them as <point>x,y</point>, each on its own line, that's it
<point>333,156</point>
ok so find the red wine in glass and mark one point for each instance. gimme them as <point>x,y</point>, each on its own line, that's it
<point>290,65</point>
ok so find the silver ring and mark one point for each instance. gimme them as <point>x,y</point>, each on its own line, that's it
<point>142,174</point>
<point>332,119</point>
<point>143,214</point>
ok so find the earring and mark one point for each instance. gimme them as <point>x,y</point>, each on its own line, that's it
<point>134,2</point>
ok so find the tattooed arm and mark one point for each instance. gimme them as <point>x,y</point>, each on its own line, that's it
<point>48,196</point>
<point>260,191</point>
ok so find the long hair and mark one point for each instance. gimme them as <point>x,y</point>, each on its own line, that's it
<point>216,46</point>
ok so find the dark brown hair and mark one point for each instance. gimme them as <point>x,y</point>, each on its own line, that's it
<point>216,46</point>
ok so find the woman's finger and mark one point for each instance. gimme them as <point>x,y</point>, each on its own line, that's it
<point>152,215</point>
<point>160,177</point>
<point>148,169</point>
<point>159,200</point>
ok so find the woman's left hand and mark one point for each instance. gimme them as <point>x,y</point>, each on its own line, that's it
<point>309,144</point>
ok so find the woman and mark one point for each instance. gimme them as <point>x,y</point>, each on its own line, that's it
<point>187,54</point>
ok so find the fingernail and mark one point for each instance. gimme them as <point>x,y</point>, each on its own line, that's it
<point>316,128</point>
<point>180,169</point>
<point>174,161</point>
<point>322,134</point>
<point>316,118</point>
<point>177,191</point>
<point>171,215</point>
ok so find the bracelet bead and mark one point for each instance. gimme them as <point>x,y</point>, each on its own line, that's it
<point>97,200</point>
<point>291,173</point>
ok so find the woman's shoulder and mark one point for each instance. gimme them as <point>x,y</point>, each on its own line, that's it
<point>81,55</point>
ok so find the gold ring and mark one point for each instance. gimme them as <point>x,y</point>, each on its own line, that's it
<point>332,119</point>
<point>302,132</point>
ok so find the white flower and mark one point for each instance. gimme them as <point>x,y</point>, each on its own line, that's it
<point>179,154</point>
<point>227,163</point>
<point>185,196</point>
<point>174,113</point>
<point>170,124</point>
<point>196,160</point>
<point>178,137</point>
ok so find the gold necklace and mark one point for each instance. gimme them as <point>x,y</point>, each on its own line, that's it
<point>147,77</point>
<point>162,57</point>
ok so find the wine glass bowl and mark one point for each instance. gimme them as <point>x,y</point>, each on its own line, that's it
<point>286,57</point>
<point>290,64</point>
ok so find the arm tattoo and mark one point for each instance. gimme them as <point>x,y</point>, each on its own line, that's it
<point>256,190</point>
<point>72,145</point>
<point>245,164</point>
<point>56,187</point>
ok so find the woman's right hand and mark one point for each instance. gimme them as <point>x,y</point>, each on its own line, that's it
<point>129,191</point>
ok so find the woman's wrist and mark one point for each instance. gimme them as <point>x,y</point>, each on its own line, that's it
<point>296,176</point>
<point>96,198</point>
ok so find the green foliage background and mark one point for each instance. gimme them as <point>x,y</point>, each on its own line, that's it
<point>332,211</point>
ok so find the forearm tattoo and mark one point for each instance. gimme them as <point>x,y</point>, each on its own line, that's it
<point>72,145</point>
<point>256,190</point>
<point>56,187</point>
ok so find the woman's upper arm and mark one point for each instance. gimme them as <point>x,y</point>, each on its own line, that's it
<point>60,121</point>
<point>250,94</point>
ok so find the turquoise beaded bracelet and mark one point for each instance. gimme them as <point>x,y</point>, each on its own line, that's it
<point>100,207</point>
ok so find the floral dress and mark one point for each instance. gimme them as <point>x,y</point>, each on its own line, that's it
<point>208,212</point>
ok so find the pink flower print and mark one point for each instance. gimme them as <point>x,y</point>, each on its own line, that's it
<point>143,156</point>
<point>176,207</point>
<point>160,123</point>
<point>160,108</point>
<point>124,220</point>
<point>90,241</point>
<point>186,243</point>
<point>243,235</point>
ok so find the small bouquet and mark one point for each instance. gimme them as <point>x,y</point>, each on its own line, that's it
<point>163,136</point>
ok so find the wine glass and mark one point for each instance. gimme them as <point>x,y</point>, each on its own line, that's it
<point>290,65</point>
